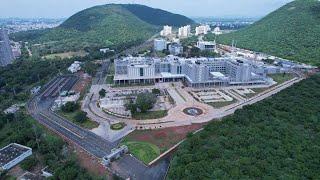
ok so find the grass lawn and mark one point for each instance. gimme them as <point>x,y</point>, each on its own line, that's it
<point>109,79</point>
<point>146,152</point>
<point>117,126</point>
<point>150,115</point>
<point>66,55</point>
<point>281,78</point>
<point>86,124</point>
<point>162,138</point>
<point>222,104</point>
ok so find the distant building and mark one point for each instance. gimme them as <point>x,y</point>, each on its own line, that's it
<point>175,49</point>
<point>167,30</point>
<point>217,31</point>
<point>206,45</point>
<point>195,72</point>
<point>202,30</point>
<point>184,31</point>
<point>75,67</point>
<point>6,55</point>
<point>160,44</point>
<point>12,155</point>
<point>106,50</point>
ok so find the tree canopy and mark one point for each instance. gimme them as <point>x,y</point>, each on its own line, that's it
<point>277,138</point>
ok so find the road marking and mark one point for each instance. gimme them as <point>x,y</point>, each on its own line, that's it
<point>62,126</point>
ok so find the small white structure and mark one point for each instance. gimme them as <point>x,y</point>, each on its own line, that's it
<point>202,30</point>
<point>60,101</point>
<point>184,31</point>
<point>105,50</point>
<point>217,31</point>
<point>12,155</point>
<point>115,154</point>
<point>35,90</point>
<point>13,109</point>
<point>160,44</point>
<point>167,30</point>
<point>206,45</point>
<point>75,67</point>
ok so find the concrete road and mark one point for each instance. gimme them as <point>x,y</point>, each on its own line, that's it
<point>39,108</point>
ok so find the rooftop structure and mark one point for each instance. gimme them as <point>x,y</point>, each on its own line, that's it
<point>13,154</point>
<point>202,30</point>
<point>184,31</point>
<point>6,55</point>
<point>160,44</point>
<point>75,67</point>
<point>167,30</point>
<point>196,72</point>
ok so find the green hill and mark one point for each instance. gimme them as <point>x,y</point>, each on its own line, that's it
<point>291,32</point>
<point>112,25</point>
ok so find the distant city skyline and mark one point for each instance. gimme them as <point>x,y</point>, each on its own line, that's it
<point>190,8</point>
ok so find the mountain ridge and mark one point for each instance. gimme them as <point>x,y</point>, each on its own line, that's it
<point>110,25</point>
<point>291,32</point>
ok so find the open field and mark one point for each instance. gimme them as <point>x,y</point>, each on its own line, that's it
<point>109,79</point>
<point>144,151</point>
<point>66,55</point>
<point>150,115</point>
<point>281,78</point>
<point>88,124</point>
<point>164,139</point>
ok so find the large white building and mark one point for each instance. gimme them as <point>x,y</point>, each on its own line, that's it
<point>196,72</point>
<point>202,30</point>
<point>206,45</point>
<point>12,155</point>
<point>167,30</point>
<point>184,31</point>
<point>160,44</point>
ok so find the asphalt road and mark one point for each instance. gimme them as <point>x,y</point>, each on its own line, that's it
<point>40,108</point>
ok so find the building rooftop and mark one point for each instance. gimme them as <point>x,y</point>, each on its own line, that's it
<point>11,152</point>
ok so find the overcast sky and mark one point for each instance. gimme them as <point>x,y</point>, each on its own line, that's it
<point>191,8</point>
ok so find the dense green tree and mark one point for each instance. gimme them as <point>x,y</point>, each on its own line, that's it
<point>81,116</point>
<point>275,138</point>
<point>102,93</point>
<point>70,107</point>
<point>291,32</point>
<point>145,101</point>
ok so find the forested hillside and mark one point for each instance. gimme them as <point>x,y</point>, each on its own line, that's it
<point>113,25</point>
<point>291,32</point>
<point>278,138</point>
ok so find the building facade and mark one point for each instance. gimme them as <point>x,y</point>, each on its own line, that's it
<point>206,45</point>
<point>195,72</point>
<point>6,55</point>
<point>202,30</point>
<point>167,30</point>
<point>184,31</point>
<point>160,44</point>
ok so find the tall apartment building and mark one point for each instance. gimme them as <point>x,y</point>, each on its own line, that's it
<point>196,72</point>
<point>203,29</point>
<point>184,31</point>
<point>6,55</point>
<point>167,30</point>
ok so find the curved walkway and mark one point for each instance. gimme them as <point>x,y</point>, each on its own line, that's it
<point>176,116</point>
